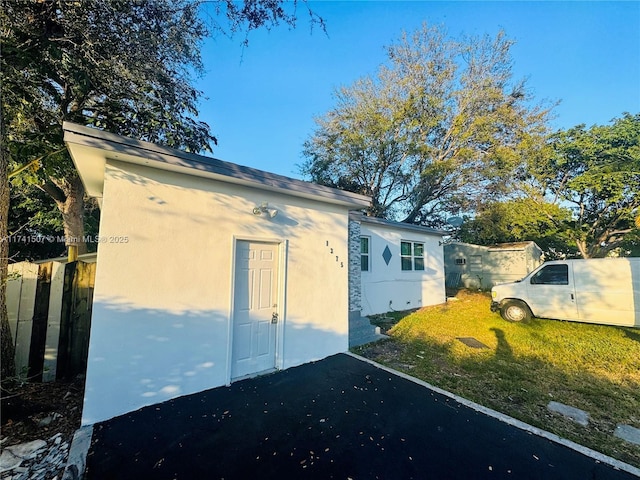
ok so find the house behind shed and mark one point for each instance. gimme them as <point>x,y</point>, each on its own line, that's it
<point>400,266</point>
<point>207,272</point>
<point>481,267</point>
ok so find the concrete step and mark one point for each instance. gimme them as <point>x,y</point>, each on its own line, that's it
<point>361,331</point>
<point>356,341</point>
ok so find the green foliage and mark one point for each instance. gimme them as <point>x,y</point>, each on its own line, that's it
<point>578,196</point>
<point>123,66</point>
<point>518,220</point>
<point>441,124</point>
<point>596,173</point>
<point>35,226</point>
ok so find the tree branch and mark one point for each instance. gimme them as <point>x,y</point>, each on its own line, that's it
<point>53,191</point>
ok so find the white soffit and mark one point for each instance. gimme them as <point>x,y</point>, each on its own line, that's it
<point>90,149</point>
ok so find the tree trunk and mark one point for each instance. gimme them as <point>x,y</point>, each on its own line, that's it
<point>71,205</point>
<point>8,366</point>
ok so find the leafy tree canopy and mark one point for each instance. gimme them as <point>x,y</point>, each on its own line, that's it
<point>123,66</point>
<point>518,220</point>
<point>580,196</point>
<point>595,172</point>
<point>441,124</point>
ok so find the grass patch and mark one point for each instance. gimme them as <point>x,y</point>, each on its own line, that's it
<point>592,367</point>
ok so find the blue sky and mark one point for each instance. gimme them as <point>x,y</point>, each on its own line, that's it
<point>261,100</point>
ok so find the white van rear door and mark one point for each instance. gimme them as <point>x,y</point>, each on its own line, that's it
<point>604,289</point>
<point>552,294</point>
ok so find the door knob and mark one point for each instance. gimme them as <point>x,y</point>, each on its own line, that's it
<point>274,317</point>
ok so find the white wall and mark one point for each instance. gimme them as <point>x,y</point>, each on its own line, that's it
<point>162,300</point>
<point>405,290</point>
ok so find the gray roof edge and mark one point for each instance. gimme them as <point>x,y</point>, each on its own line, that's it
<point>92,137</point>
<point>389,223</point>
<point>499,247</point>
<point>514,246</point>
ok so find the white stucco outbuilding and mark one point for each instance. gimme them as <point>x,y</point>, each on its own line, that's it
<point>478,266</point>
<point>206,271</point>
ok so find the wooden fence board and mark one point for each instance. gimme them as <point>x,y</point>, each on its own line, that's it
<point>49,308</point>
<point>75,323</point>
<point>24,315</point>
<point>53,323</point>
<point>39,323</point>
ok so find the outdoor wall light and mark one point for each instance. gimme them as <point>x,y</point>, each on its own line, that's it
<point>264,208</point>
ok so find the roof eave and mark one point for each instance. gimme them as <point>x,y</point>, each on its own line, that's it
<point>91,148</point>
<point>400,225</point>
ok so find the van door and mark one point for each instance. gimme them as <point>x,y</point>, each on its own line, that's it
<point>552,292</point>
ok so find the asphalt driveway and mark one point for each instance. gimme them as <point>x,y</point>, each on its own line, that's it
<point>338,418</point>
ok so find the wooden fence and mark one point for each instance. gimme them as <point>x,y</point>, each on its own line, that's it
<point>49,307</point>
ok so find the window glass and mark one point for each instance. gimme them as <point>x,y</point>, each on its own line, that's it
<point>406,263</point>
<point>412,255</point>
<point>552,275</point>
<point>364,245</point>
<point>364,254</point>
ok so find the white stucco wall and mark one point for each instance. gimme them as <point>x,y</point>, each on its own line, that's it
<point>388,287</point>
<point>163,292</point>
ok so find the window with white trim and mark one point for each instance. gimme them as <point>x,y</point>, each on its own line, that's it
<point>412,255</point>
<point>365,262</point>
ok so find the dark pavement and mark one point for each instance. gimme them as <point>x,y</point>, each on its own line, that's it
<point>337,418</point>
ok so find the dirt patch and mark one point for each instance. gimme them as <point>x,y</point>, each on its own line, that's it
<point>32,411</point>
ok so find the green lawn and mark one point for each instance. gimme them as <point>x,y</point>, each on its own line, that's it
<point>592,367</point>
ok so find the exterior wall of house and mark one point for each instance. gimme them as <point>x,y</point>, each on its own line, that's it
<point>386,287</point>
<point>163,300</point>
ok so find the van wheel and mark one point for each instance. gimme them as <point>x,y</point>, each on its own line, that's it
<point>515,311</point>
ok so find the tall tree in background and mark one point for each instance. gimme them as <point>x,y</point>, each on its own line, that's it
<point>595,172</point>
<point>517,220</point>
<point>119,65</point>
<point>442,124</point>
<point>580,198</point>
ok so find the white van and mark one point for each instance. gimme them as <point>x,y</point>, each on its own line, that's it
<point>603,290</point>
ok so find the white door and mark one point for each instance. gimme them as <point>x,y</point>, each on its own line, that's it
<point>255,309</point>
